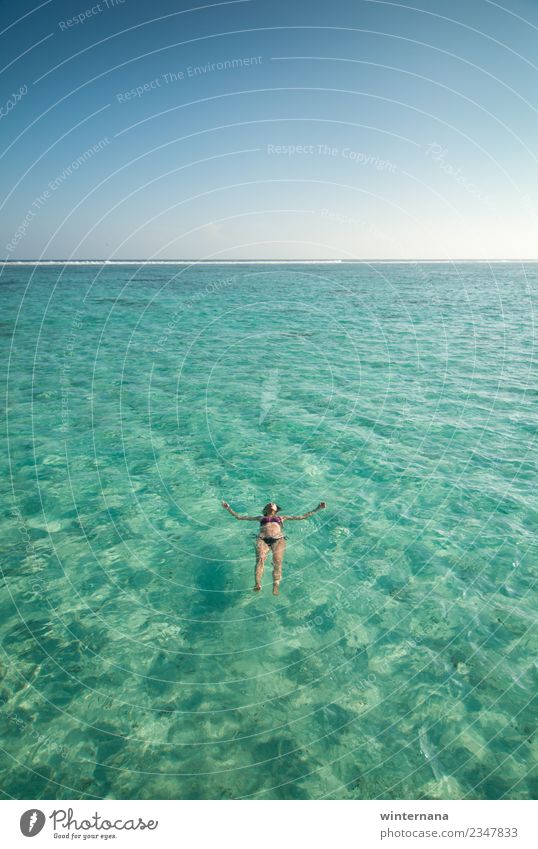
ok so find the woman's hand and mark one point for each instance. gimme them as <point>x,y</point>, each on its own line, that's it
<point>225,505</point>
<point>321,505</point>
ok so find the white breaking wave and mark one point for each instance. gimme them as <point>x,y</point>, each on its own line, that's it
<point>17,262</point>
<point>172,261</point>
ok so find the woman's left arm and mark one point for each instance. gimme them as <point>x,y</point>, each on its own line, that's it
<point>321,506</point>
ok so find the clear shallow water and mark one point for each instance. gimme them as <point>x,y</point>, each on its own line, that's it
<point>399,660</point>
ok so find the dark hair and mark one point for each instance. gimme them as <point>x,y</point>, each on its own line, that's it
<point>269,507</point>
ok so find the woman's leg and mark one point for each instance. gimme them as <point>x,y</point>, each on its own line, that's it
<point>261,553</point>
<point>278,556</point>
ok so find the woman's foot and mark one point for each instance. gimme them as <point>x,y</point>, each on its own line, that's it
<point>256,588</point>
<point>276,591</point>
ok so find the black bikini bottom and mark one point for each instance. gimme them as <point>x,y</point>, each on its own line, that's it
<point>270,540</point>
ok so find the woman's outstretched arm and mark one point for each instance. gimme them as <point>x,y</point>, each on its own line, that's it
<point>320,506</point>
<point>237,516</point>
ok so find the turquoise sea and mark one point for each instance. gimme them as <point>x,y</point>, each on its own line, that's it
<point>399,661</point>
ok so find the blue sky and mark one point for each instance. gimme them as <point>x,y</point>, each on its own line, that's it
<point>268,129</point>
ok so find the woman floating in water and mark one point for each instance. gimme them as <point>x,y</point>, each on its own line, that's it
<point>270,538</point>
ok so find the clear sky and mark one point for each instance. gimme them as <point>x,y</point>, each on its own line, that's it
<point>268,129</point>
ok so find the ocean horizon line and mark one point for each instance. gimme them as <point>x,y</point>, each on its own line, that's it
<point>114,262</point>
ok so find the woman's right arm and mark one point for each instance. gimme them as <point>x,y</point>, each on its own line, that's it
<point>237,516</point>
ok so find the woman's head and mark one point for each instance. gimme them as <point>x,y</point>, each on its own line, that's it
<point>270,509</point>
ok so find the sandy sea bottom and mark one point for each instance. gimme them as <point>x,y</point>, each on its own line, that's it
<point>399,660</point>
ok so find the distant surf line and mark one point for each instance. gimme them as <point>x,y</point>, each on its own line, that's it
<point>116,262</point>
